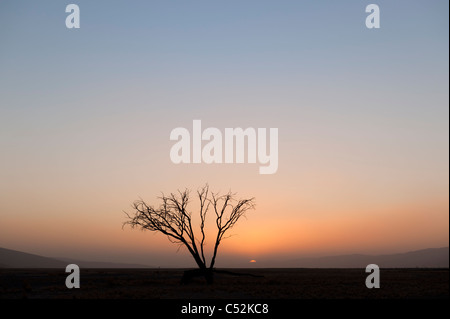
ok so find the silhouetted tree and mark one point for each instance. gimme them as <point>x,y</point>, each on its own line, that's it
<point>173,219</point>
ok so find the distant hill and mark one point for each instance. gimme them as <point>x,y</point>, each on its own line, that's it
<point>426,258</point>
<point>16,259</point>
<point>100,264</point>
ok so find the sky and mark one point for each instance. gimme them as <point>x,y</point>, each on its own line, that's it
<point>362,117</point>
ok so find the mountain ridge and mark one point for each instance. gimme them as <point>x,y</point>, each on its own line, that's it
<point>16,259</point>
<point>423,258</point>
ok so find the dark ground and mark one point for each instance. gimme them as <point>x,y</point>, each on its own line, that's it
<point>276,284</point>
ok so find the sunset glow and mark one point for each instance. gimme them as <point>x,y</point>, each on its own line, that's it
<point>361,119</point>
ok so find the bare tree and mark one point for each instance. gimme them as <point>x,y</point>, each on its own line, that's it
<point>173,219</point>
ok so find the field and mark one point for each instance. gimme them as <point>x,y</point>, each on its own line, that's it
<point>270,284</point>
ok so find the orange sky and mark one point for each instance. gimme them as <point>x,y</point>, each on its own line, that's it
<point>315,204</point>
<point>283,226</point>
<point>362,118</point>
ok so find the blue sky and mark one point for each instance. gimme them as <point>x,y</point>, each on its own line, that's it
<point>85,114</point>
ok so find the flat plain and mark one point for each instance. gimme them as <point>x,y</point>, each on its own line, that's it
<point>275,283</point>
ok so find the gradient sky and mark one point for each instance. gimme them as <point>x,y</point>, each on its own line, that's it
<point>85,118</point>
